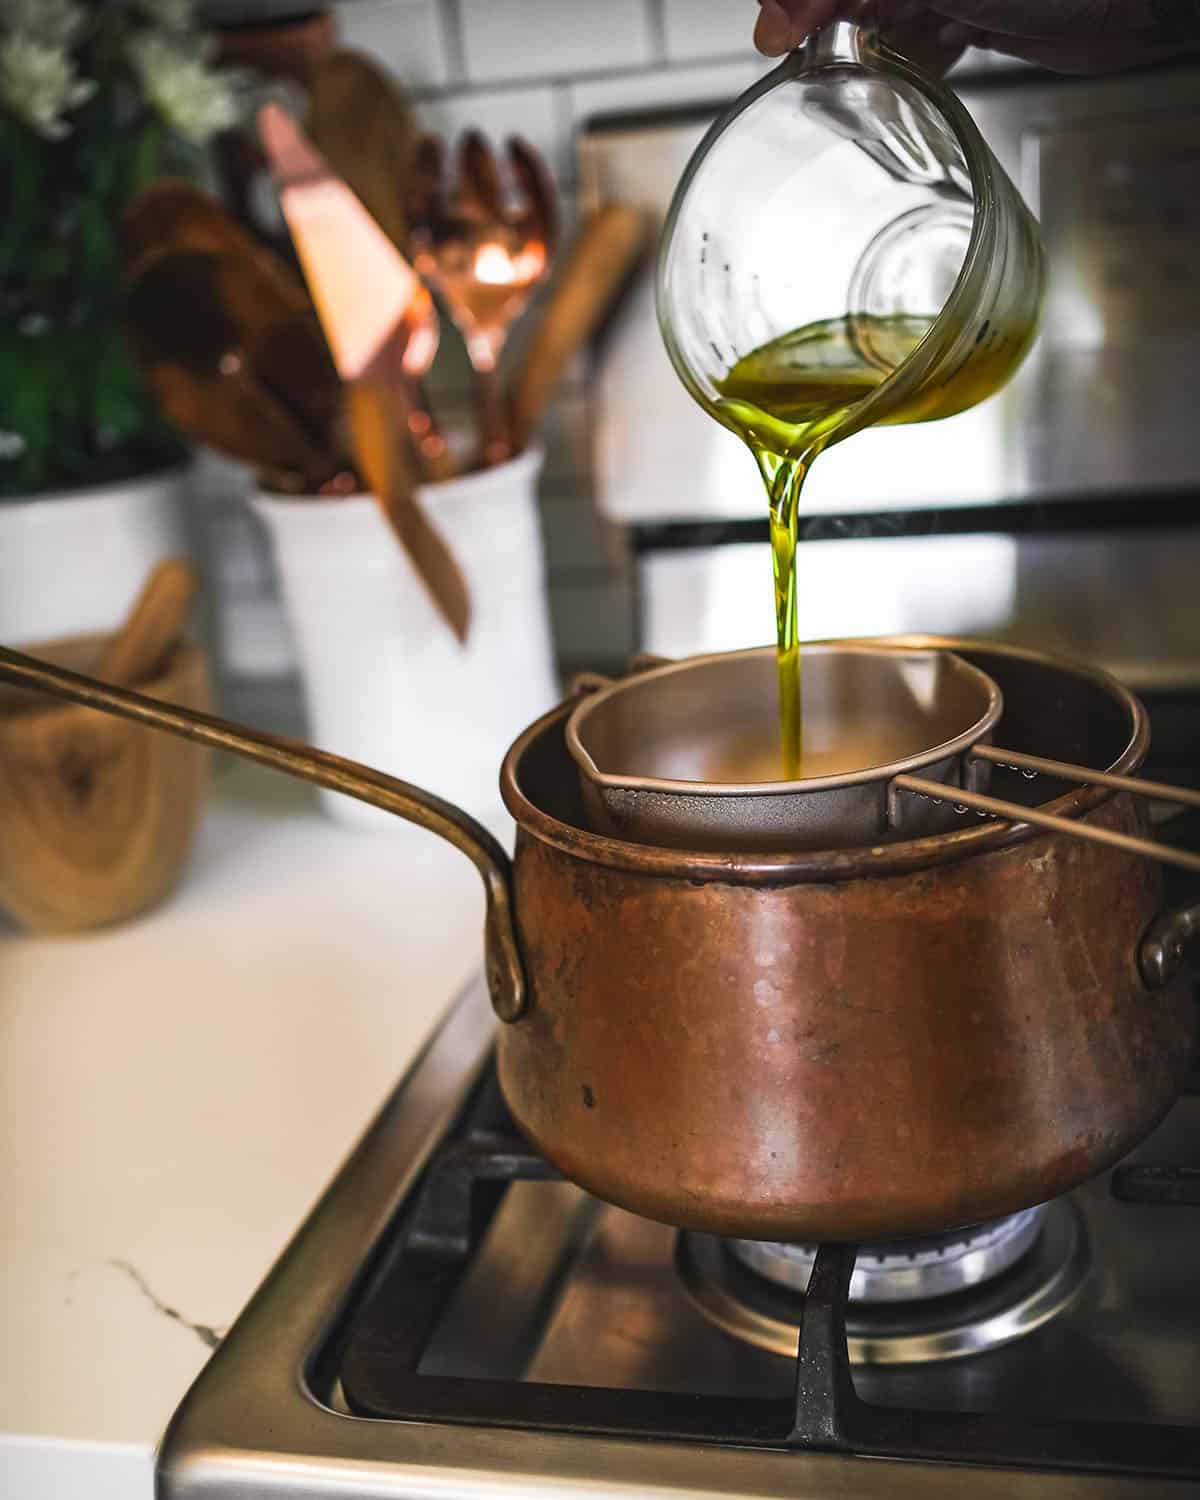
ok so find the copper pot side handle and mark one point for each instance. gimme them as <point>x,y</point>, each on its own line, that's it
<point>583,684</point>
<point>1163,950</point>
<point>505,970</point>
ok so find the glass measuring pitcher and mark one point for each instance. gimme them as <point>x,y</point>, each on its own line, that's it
<point>845,219</point>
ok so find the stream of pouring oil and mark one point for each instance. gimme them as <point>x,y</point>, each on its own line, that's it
<point>787,401</point>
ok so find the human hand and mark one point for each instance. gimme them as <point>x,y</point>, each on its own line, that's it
<point>1068,36</point>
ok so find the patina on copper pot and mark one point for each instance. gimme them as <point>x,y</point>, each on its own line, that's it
<point>853,1044</point>
<point>861,1044</point>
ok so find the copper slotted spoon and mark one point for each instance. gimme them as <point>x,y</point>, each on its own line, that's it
<point>483,256</point>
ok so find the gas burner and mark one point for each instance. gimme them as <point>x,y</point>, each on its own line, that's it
<point>1025,1287</point>
<point>910,1270</point>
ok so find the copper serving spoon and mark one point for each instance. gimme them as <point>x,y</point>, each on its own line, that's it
<point>483,255</point>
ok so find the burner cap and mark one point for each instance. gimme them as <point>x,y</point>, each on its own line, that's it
<point>1041,1284</point>
<point>907,1271</point>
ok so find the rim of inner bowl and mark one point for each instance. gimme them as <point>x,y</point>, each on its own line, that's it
<point>944,750</point>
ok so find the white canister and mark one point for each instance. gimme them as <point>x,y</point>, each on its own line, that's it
<point>73,561</point>
<point>386,682</point>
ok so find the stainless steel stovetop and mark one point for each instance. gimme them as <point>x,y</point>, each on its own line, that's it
<point>571,1323</point>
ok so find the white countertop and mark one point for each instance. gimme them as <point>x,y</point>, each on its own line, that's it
<point>177,1092</point>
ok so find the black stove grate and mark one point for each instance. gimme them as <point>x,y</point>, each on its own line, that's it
<point>441,1229</point>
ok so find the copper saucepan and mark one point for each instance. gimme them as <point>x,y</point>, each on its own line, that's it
<point>859,1044</point>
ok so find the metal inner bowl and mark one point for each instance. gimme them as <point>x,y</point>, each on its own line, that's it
<point>713,721</point>
<point>689,756</point>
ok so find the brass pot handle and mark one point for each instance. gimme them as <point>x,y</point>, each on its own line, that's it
<point>505,970</point>
<point>584,684</point>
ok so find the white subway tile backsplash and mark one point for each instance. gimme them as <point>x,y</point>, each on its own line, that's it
<point>708,28</point>
<point>552,38</point>
<point>526,112</point>
<point>407,36</point>
<point>658,88</point>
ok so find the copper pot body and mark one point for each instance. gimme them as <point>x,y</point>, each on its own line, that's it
<point>857,1045</point>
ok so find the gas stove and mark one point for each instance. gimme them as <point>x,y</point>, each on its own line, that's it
<point>456,1321</point>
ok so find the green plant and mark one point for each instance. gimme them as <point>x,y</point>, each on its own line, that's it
<point>95,102</point>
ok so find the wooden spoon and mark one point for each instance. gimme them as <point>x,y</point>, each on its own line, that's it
<point>151,628</point>
<point>360,121</point>
<point>186,313</point>
<point>599,263</point>
<point>173,214</point>
<point>192,270</point>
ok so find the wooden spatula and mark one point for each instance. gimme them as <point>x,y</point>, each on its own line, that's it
<point>376,313</point>
<point>361,122</point>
